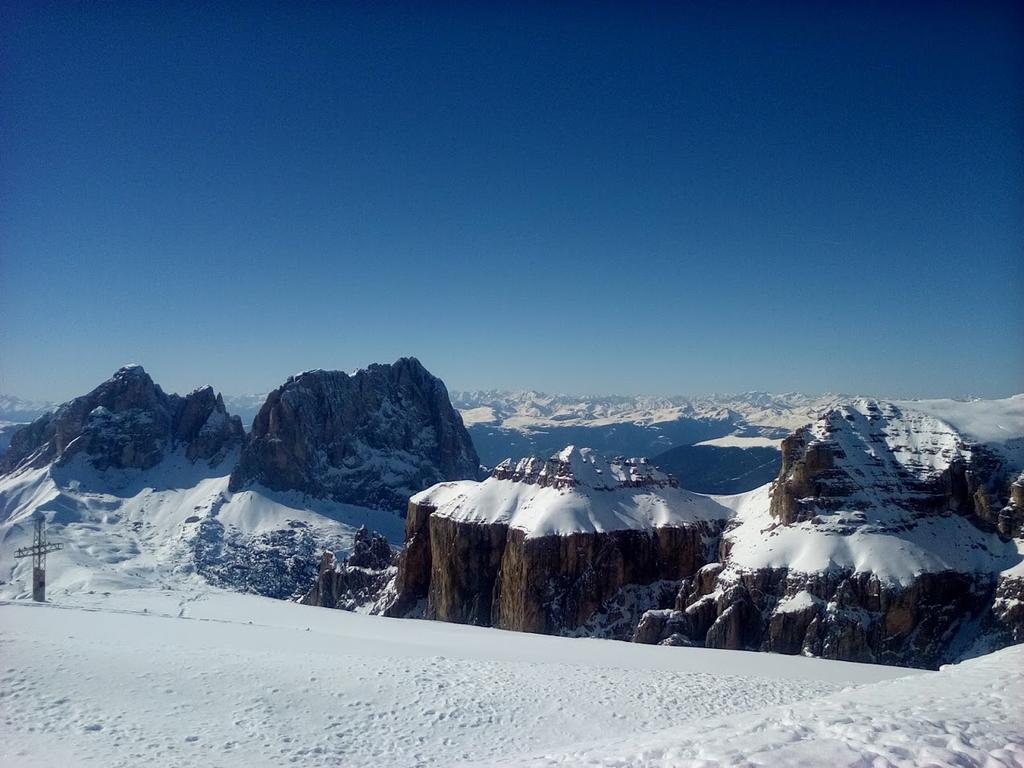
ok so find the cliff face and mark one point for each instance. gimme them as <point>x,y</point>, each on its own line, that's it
<point>360,580</point>
<point>470,564</point>
<point>127,422</point>
<point>841,615</point>
<point>878,543</point>
<point>869,456</point>
<point>372,438</point>
<point>887,538</point>
<point>556,584</point>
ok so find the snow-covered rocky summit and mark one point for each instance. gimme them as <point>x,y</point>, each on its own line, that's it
<point>127,422</point>
<point>575,491</point>
<point>371,438</point>
<point>540,545</point>
<point>889,536</point>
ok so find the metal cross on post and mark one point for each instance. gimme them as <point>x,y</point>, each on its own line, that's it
<point>38,551</point>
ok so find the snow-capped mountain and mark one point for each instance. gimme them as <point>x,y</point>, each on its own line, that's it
<point>535,410</point>
<point>540,545</point>
<point>147,488</point>
<point>15,410</point>
<point>127,422</point>
<point>890,535</point>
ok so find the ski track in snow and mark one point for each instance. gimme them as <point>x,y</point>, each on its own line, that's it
<point>105,683</point>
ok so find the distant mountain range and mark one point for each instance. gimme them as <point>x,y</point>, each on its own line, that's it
<point>517,424</point>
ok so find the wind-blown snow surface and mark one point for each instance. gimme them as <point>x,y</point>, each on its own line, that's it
<point>931,545</point>
<point>173,678</point>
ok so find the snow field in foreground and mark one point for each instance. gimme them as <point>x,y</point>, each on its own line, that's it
<point>971,714</point>
<point>219,679</point>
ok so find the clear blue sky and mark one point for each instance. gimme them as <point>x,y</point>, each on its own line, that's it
<point>622,198</point>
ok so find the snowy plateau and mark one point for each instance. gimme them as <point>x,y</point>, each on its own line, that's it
<point>172,635</point>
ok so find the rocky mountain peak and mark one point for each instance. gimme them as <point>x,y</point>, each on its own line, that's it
<point>574,467</point>
<point>128,421</point>
<point>374,437</point>
<point>870,462</point>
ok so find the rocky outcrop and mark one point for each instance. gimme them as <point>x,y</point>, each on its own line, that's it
<point>127,422</point>
<point>864,474</point>
<point>358,582</point>
<point>555,584</point>
<point>493,575</point>
<point>1010,520</point>
<point>871,454</point>
<point>372,438</point>
<point>837,615</point>
<point>496,572</point>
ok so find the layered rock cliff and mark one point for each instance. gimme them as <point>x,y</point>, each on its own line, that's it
<point>372,438</point>
<point>540,546</point>
<point>127,422</point>
<point>877,543</point>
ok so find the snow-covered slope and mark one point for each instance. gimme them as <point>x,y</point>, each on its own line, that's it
<point>997,424</point>
<point>135,483</point>
<point>201,677</point>
<point>174,524</point>
<point>965,715</point>
<point>576,491</point>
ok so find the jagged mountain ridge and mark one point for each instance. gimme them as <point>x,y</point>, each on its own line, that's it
<point>138,482</point>
<point>333,435</point>
<point>127,422</point>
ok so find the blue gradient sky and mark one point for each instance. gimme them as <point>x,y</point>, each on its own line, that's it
<point>627,198</point>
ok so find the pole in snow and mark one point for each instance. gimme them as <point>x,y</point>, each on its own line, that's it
<point>38,551</point>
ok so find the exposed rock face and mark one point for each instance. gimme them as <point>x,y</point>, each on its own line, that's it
<point>869,455</point>
<point>359,581</point>
<point>496,572</point>
<point>127,422</point>
<point>1010,520</point>
<point>840,615</point>
<point>372,438</point>
<point>863,475</point>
